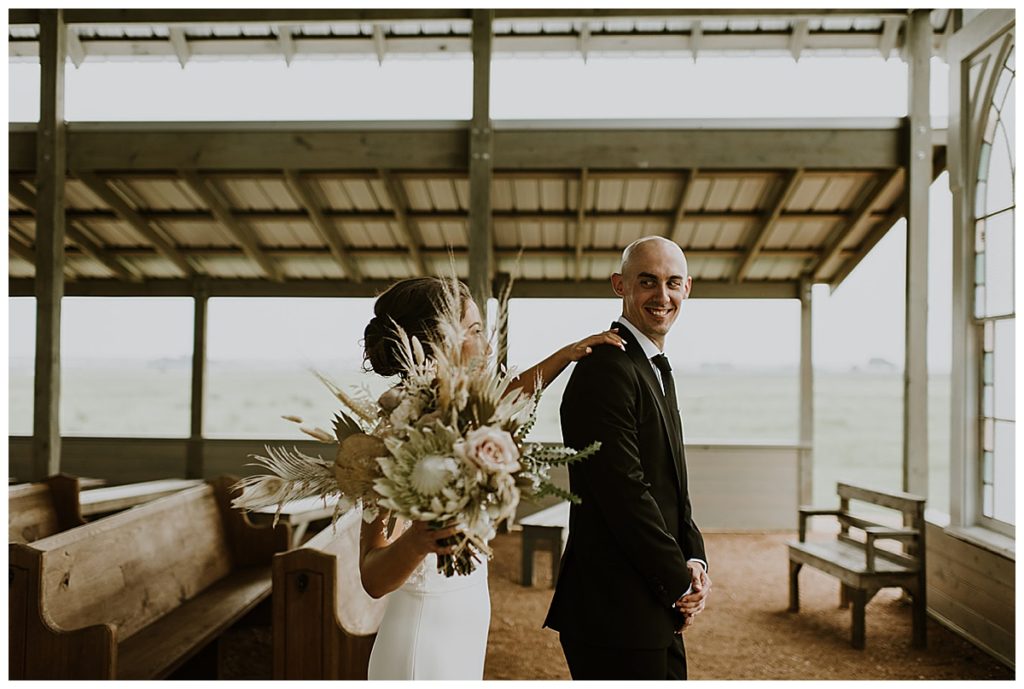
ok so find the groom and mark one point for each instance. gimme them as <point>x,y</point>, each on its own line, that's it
<point>634,573</point>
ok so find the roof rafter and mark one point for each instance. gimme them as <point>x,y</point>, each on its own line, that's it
<point>839,235</point>
<point>680,211</point>
<point>99,186</point>
<point>754,246</point>
<point>399,203</point>
<point>306,198</point>
<point>241,232</point>
<point>114,264</point>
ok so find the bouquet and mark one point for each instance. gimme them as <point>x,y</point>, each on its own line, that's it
<point>447,445</point>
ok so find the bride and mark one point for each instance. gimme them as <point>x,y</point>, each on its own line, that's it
<point>434,627</point>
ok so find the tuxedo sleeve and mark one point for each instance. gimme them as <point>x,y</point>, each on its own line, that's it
<point>603,403</point>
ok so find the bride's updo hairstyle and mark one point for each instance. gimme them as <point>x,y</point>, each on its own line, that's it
<point>413,304</point>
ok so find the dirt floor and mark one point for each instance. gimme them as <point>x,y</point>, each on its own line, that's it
<point>745,632</point>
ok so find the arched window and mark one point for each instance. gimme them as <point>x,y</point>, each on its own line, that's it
<point>994,214</point>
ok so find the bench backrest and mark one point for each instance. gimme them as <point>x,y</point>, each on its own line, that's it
<point>910,507</point>
<point>38,510</point>
<point>131,568</point>
<point>324,622</point>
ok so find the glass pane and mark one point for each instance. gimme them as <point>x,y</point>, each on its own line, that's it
<point>979,236</point>
<point>990,335</point>
<point>986,151</point>
<point>1002,87</point>
<point>988,369</point>
<point>257,374</point>
<point>1007,121</point>
<point>1000,176</point>
<point>1005,369</point>
<point>126,366</point>
<point>987,435</point>
<point>990,131</point>
<point>979,269</point>
<point>21,347</point>
<point>979,301</point>
<point>988,401</point>
<point>986,498</point>
<point>986,467</point>
<point>1004,472</point>
<point>1009,59</point>
<point>999,264</point>
<point>979,199</point>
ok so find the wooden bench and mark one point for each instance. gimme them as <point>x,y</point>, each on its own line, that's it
<point>117,498</point>
<point>324,622</point>
<point>137,594</point>
<point>548,528</point>
<point>38,510</point>
<point>861,566</point>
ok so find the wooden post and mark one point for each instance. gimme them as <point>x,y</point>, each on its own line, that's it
<point>919,178</point>
<point>51,164</point>
<point>805,471</point>
<point>194,463</point>
<point>481,164</point>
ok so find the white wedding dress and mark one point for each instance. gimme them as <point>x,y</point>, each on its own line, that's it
<point>434,627</point>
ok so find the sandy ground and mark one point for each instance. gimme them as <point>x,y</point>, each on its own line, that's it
<point>745,632</point>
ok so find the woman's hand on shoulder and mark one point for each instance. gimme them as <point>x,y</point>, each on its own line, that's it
<point>578,350</point>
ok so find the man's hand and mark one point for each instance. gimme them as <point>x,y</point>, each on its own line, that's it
<point>693,602</point>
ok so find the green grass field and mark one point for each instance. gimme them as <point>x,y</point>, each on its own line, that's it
<point>857,429</point>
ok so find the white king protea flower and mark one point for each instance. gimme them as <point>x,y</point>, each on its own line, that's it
<point>432,473</point>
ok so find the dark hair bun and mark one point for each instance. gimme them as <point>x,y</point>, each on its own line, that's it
<point>413,305</point>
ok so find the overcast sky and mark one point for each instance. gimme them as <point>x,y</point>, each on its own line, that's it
<point>862,320</point>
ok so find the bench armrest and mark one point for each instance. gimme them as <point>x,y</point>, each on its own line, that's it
<point>807,511</point>
<point>884,533</point>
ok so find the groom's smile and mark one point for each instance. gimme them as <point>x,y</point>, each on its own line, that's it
<point>653,283</point>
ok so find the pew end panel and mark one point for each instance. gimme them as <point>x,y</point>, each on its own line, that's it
<point>37,648</point>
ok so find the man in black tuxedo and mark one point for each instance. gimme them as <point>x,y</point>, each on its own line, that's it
<point>634,572</point>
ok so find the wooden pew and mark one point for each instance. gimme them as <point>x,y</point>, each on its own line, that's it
<point>860,565</point>
<point>38,510</point>
<point>117,498</point>
<point>324,622</point>
<point>137,594</point>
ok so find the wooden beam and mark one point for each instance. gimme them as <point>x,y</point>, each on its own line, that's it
<point>119,267</point>
<point>581,221</point>
<point>76,51</point>
<point>23,251</point>
<point>805,469</point>
<point>918,152</point>
<point>881,228</point>
<point>194,462</point>
<point>414,147</point>
<point>557,289</point>
<point>122,270</point>
<point>180,43</point>
<point>696,38</point>
<point>837,238</point>
<point>131,216</point>
<point>760,236</point>
<point>887,41</point>
<point>481,163</point>
<point>241,232</point>
<point>306,198</point>
<point>798,38</point>
<point>378,43</point>
<point>680,211</point>
<point>409,233</point>
<point>284,37</point>
<point>51,164</point>
<point>345,216</point>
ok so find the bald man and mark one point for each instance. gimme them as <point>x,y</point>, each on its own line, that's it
<point>634,573</point>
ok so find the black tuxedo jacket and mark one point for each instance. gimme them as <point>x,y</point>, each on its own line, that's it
<point>624,564</point>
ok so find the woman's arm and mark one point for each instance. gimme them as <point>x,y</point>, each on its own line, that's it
<point>548,369</point>
<point>385,564</point>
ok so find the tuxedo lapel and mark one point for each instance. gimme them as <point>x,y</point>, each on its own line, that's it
<point>646,369</point>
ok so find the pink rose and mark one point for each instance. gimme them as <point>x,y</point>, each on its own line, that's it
<point>490,449</point>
